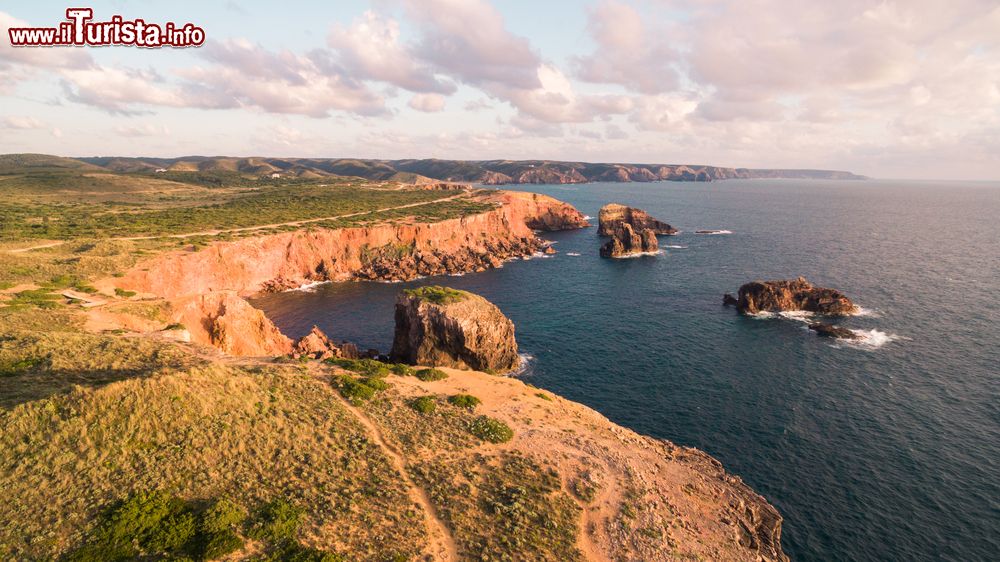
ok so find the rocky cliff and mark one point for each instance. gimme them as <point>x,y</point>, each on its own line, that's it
<point>386,252</point>
<point>226,321</point>
<point>613,215</point>
<point>792,295</point>
<point>442,327</point>
<point>626,241</point>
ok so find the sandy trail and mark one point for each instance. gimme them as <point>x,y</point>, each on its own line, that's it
<point>252,228</point>
<point>441,544</point>
<point>292,223</point>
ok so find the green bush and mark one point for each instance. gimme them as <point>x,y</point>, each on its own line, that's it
<point>123,293</point>
<point>491,429</point>
<point>401,369</point>
<point>175,326</point>
<point>40,298</point>
<point>467,401</point>
<point>543,396</point>
<point>424,404</point>
<point>428,375</point>
<point>367,367</point>
<point>437,294</point>
<point>15,367</point>
<point>279,520</point>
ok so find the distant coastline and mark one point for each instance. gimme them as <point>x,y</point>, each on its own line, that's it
<point>483,172</point>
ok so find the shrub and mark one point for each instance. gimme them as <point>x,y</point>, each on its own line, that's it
<point>437,294</point>
<point>41,298</point>
<point>355,390</point>
<point>175,326</point>
<point>424,404</point>
<point>123,293</point>
<point>367,367</point>
<point>467,401</point>
<point>15,367</point>
<point>543,396</point>
<point>279,520</point>
<point>401,369</point>
<point>428,375</point>
<point>491,429</point>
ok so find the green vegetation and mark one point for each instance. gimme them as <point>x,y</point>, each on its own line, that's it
<point>503,508</point>
<point>123,293</point>
<point>366,367</point>
<point>491,429</point>
<point>437,294</point>
<point>358,390</point>
<point>38,298</point>
<point>428,375</point>
<point>466,401</point>
<point>543,396</point>
<point>159,525</point>
<point>424,404</point>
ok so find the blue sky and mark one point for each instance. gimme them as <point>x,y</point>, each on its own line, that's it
<point>905,89</point>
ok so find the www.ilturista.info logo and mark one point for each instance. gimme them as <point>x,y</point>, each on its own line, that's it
<point>78,29</point>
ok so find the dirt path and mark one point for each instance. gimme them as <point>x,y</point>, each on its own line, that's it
<point>292,223</point>
<point>440,542</point>
<point>38,247</point>
<point>257,227</point>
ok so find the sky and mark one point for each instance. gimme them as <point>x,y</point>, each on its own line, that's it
<point>906,89</point>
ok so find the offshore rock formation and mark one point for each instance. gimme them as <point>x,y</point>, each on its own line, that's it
<point>625,241</point>
<point>442,327</point>
<point>613,215</point>
<point>831,331</point>
<point>790,295</point>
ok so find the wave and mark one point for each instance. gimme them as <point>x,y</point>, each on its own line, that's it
<point>638,255</point>
<point>871,339</point>
<point>525,367</point>
<point>862,311</point>
<point>588,218</point>
<point>676,247</point>
<point>307,287</point>
<point>798,315</point>
<point>572,254</point>
<point>713,232</point>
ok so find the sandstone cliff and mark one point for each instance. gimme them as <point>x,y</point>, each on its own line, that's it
<point>792,295</point>
<point>626,241</point>
<point>226,321</point>
<point>442,327</point>
<point>613,215</point>
<point>387,252</point>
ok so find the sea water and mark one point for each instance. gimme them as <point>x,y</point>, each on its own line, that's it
<point>883,449</point>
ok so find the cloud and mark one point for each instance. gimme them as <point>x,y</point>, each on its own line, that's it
<point>628,52</point>
<point>429,103</point>
<point>467,39</point>
<point>142,130</point>
<point>22,123</point>
<point>370,49</point>
<point>120,91</point>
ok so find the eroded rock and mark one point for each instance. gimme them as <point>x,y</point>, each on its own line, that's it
<point>626,241</point>
<point>614,215</point>
<point>438,326</point>
<point>791,295</point>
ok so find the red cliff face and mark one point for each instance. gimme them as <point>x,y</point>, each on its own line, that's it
<point>205,286</point>
<point>285,260</point>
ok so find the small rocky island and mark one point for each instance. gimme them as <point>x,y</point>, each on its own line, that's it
<point>632,231</point>
<point>830,331</point>
<point>444,327</point>
<point>790,295</point>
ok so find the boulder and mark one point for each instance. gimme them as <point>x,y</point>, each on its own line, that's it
<point>831,331</point>
<point>790,295</point>
<point>443,327</point>
<point>317,345</point>
<point>626,241</point>
<point>614,215</point>
<point>729,300</point>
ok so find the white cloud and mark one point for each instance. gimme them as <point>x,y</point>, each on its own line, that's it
<point>142,130</point>
<point>429,103</point>
<point>370,48</point>
<point>22,123</point>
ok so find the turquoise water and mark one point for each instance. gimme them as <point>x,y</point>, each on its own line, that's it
<point>888,450</point>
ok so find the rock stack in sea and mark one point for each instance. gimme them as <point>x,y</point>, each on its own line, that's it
<point>790,295</point>
<point>613,215</point>
<point>317,345</point>
<point>632,231</point>
<point>626,241</point>
<point>439,326</point>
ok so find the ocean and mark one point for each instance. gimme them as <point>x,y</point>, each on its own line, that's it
<point>888,449</point>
